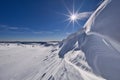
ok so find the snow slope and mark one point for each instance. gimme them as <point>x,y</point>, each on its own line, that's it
<point>81,56</point>
<point>102,54</point>
<point>39,62</point>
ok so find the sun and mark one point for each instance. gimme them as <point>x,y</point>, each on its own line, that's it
<point>73,17</point>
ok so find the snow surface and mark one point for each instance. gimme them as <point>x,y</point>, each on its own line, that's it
<point>102,54</point>
<point>23,62</point>
<point>81,56</point>
<point>40,62</point>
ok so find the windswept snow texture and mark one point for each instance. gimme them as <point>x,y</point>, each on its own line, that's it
<point>108,21</point>
<point>102,54</point>
<point>90,57</point>
<point>98,42</point>
<point>26,61</point>
<point>40,62</point>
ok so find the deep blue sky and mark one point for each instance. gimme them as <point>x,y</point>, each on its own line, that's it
<point>38,20</point>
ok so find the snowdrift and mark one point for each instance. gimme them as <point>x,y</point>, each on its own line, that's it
<point>100,46</point>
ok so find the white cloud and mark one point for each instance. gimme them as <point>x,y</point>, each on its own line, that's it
<point>43,32</point>
<point>57,30</point>
<point>68,33</point>
<point>37,32</point>
<point>13,28</point>
<point>22,30</point>
<point>3,26</point>
<point>84,15</point>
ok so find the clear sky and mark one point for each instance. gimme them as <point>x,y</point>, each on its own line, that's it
<point>39,20</point>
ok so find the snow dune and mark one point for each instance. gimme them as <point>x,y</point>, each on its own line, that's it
<point>102,54</point>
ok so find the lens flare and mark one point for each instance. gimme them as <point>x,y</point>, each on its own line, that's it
<point>73,17</point>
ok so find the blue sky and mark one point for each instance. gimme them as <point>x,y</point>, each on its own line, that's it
<point>40,20</point>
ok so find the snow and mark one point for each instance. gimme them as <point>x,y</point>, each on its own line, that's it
<point>107,21</point>
<point>18,62</point>
<point>103,59</point>
<point>40,62</point>
<point>101,54</point>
